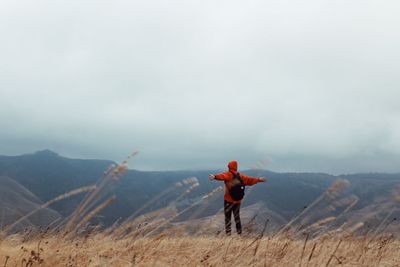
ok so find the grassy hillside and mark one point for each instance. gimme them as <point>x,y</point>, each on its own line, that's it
<point>48,175</point>
<point>16,201</point>
<point>172,250</point>
<point>324,233</point>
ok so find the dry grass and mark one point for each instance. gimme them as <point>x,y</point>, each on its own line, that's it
<point>165,250</point>
<point>149,239</point>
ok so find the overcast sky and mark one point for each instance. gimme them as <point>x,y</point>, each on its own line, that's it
<point>297,85</point>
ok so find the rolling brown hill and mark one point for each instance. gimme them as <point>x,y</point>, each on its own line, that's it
<point>17,201</point>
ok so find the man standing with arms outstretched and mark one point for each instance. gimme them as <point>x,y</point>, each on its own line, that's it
<point>234,191</point>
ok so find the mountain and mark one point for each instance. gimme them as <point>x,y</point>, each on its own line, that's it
<point>48,175</point>
<point>16,201</point>
<point>286,195</point>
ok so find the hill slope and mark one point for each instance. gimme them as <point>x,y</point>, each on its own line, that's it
<point>48,175</point>
<point>16,201</point>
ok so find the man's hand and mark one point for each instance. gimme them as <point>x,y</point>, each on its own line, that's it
<point>211,176</point>
<point>262,179</point>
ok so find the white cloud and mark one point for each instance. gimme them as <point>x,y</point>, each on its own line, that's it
<point>193,84</point>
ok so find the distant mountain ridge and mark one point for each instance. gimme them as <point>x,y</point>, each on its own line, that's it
<point>48,175</point>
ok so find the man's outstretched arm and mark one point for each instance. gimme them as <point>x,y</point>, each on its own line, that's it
<point>248,180</point>
<point>220,177</point>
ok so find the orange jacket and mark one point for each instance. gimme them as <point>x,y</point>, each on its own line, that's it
<point>227,177</point>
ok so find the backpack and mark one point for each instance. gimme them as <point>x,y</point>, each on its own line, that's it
<point>237,190</point>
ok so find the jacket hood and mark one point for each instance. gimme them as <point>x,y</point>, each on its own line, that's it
<point>233,166</point>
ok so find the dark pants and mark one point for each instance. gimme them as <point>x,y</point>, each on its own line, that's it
<point>230,208</point>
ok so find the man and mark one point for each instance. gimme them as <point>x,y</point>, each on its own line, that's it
<point>232,203</point>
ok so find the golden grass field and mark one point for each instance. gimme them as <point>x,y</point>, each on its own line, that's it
<point>149,240</point>
<point>163,250</point>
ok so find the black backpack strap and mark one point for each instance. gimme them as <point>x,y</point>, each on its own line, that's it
<point>237,175</point>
